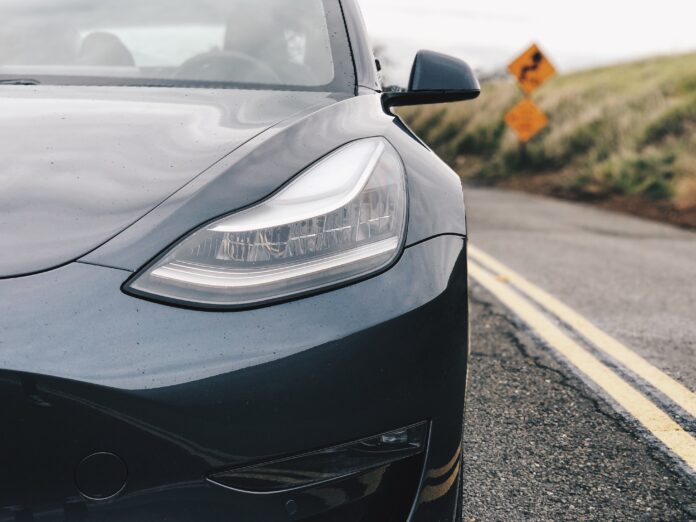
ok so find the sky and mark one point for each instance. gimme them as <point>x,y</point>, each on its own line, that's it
<point>489,34</point>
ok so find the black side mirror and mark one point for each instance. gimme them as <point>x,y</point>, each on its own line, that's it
<point>436,78</point>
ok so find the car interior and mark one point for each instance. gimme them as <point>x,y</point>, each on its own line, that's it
<point>232,41</point>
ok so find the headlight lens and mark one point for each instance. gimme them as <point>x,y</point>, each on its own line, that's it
<point>341,219</point>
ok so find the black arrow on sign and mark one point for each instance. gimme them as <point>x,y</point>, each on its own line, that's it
<point>537,58</point>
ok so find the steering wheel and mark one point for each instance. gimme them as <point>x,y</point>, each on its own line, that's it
<point>227,66</point>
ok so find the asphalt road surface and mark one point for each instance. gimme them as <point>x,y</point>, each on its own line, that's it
<point>583,364</point>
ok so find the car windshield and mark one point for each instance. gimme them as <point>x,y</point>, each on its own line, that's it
<point>298,44</point>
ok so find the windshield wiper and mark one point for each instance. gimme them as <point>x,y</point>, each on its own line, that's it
<point>20,81</point>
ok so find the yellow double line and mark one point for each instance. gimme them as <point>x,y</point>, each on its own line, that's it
<point>522,298</point>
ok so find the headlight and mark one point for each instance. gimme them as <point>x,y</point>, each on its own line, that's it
<point>341,219</point>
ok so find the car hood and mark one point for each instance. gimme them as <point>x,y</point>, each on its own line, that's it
<point>78,165</point>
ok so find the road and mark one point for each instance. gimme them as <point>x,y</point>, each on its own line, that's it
<point>581,397</point>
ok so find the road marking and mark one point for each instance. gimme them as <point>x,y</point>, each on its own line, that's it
<point>674,390</point>
<point>653,419</point>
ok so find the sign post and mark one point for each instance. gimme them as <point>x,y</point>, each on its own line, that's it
<point>531,69</point>
<point>526,119</point>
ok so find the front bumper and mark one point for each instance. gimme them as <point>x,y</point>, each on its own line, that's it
<point>177,395</point>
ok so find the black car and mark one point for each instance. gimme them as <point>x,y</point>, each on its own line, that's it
<point>233,284</point>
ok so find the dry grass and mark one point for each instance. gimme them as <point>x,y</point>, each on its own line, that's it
<point>685,198</point>
<point>622,131</point>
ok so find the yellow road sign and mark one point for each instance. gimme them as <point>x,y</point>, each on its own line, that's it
<point>531,69</point>
<point>526,119</point>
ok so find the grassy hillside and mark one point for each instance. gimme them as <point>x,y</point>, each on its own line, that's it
<point>621,136</point>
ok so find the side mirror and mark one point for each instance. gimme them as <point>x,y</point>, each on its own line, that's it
<point>436,78</point>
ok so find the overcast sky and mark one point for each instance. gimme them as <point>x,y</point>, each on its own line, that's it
<point>576,34</point>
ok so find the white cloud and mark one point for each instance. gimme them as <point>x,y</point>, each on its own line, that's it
<point>574,34</point>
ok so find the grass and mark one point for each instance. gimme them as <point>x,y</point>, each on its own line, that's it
<point>625,131</point>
